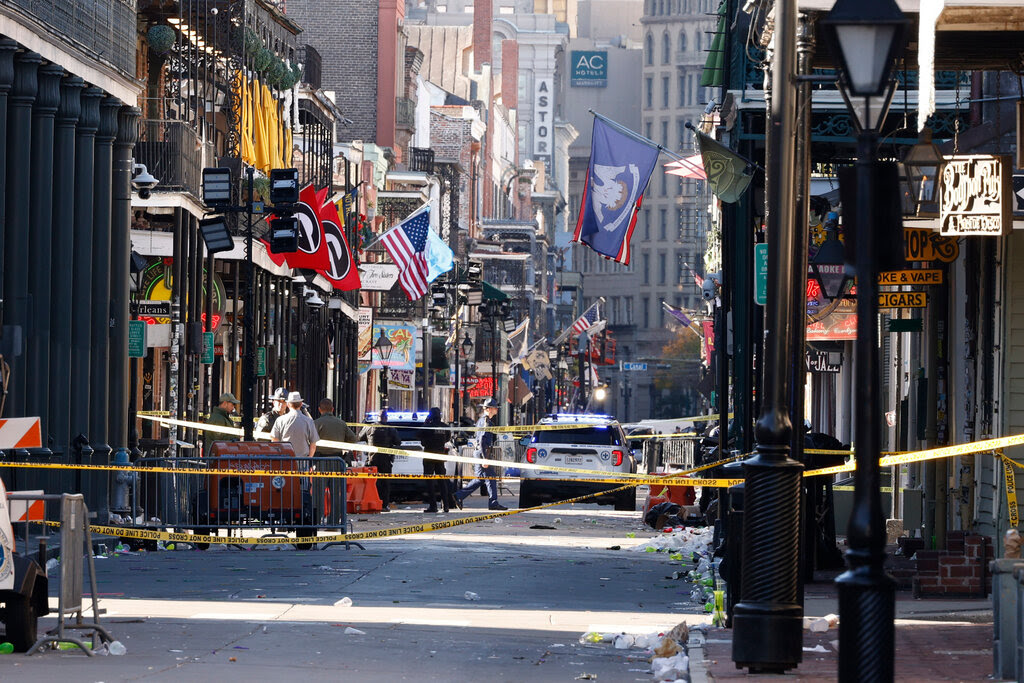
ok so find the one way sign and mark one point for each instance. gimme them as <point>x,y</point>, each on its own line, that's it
<point>1018,193</point>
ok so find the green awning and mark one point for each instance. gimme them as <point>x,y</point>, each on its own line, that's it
<point>714,67</point>
<point>438,354</point>
<point>492,293</point>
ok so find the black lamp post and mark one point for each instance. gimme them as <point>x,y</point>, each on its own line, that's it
<point>829,264</point>
<point>467,349</point>
<point>384,348</point>
<point>866,37</point>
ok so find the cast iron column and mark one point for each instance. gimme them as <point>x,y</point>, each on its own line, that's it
<point>99,364</point>
<point>867,595</point>
<point>7,49</point>
<point>120,259</point>
<point>249,359</point>
<point>767,622</point>
<point>63,258</point>
<point>40,229</point>
<point>19,160</point>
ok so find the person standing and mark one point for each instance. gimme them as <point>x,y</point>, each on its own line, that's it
<point>277,409</point>
<point>220,416</point>
<point>435,439</point>
<point>384,436</point>
<point>484,441</point>
<point>296,428</point>
<point>330,427</point>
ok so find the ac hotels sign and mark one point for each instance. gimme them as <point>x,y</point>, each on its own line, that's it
<point>976,195</point>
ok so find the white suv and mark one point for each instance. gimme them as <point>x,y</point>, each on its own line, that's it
<point>597,443</point>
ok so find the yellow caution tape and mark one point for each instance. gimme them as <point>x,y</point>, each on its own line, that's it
<point>1011,489</point>
<point>155,535</point>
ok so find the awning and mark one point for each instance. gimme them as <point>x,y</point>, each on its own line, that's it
<point>492,293</point>
<point>714,67</point>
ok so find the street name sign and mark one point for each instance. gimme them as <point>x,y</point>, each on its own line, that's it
<point>902,300</point>
<point>137,338</point>
<point>761,274</point>
<point>634,367</point>
<point>261,361</point>
<point>207,358</point>
<point>154,309</point>
<point>910,277</point>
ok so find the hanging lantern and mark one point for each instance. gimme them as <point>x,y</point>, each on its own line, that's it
<point>923,164</point>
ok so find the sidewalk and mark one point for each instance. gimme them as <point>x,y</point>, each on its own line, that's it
<point>936,640</point>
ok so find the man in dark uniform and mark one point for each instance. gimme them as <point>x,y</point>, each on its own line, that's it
<point>384,436</point>
<point>435,440</point>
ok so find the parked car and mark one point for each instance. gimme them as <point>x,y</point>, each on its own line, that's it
<point>406,423</point>
<point>597,443</point>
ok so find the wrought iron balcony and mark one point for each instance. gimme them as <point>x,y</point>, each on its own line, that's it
<point>173,153</point>
<point>103,28</point>
<point>422,160</point>
<point>312,66</point>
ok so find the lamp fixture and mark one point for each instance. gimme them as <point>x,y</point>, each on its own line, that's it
<point>384,347</point>
<point>215,234</point>
<point>828,265</point>
<point>923,164</point>
<point>217,186</point>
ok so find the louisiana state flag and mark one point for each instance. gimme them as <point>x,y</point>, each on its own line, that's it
<point>620,168</point>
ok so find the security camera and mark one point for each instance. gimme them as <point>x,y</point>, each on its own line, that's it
<point>313,299</point>
<point>143,181</point>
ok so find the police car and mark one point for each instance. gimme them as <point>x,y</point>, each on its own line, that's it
<point>406,423</point>
<point>594,442</point>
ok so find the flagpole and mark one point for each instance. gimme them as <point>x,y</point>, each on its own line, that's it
<point>636,136</point>
<point>753,164</point>
<point>425,207</point>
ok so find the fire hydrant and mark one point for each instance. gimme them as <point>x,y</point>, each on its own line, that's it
<point>121,502</point>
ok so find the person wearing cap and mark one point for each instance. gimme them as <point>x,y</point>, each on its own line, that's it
<point>484,441</point>
<point>296,428</point>
<point>220,416</point>
<point>330,427</point>
<point>277,409</point>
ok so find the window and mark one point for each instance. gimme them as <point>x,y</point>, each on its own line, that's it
<point>681,123</point>
<point>662,271</point>
<point>664,92</point>
<point>689,90</point>
<point>628,301</point>
<point>679,223</point>
<point>663,225</point>
<point>647,128</point>
<point>506,10</point>
<point>664,181</point>
<point>666,48</point>
<point>664,129</point>
<point>647,224</point>
<point>646,258</point>
<point>649,50</point>
<point>682,91</point>
<point>645,310</point>
<point>682,41</point>
<point>697,41</point>
<point>649,97</point>
<point>613,310</point>
<point>661,316</point>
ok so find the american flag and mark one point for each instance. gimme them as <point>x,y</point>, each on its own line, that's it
<point>406,244</point>
<point>584,322</point>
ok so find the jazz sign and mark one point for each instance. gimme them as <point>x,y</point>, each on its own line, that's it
<point>976,196</point>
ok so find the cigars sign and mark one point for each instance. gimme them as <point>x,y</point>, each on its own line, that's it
<point>976,196</point>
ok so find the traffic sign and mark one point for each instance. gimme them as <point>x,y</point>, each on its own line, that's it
<point>911,277</point>
<point>902,300</point>
<point>761,274</point>
<point>634,367</point>
<point>207,357</point>
<point>137,338</point>
<point>261,361</point>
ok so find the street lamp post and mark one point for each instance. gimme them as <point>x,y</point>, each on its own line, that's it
<point>467,349</point>
<point>866,37</point>
<point>384,348</point>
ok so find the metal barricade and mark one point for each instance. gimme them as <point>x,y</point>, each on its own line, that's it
<point>678,452</point>
<point>75,554</point>
<point>225,493</point>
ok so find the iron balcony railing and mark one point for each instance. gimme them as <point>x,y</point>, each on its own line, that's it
<point>422,160</point>
<point>174,154</point>
<point>312,67</point>
<point>104,28</point>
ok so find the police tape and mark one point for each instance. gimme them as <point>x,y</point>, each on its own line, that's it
<point>365,448</point>
<point>1010,481</point>
<point>149,534</point>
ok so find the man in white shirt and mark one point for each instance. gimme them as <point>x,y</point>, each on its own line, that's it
<point>296,428</point>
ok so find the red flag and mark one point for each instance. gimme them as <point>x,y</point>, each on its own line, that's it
<point>312,252</point>
<point>341,271</point>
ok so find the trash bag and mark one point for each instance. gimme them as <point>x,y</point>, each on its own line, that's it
<point>666,509</point>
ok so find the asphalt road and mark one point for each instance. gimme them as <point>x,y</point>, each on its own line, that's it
<point>275,613</point>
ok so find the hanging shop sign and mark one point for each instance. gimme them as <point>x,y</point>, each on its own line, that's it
<point>824,361</point>
<point>543,117</point>
<point>829,320</point>
<point>976,196</point>
<point>378,277</point>
<point>403,350</point>
<point>921,244</point>
<point>589,69</point>
<point>400,380</point>
<point>910,277</point>
<point>365,326</point>
<point>902,299</point>
<point>155,293</point>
